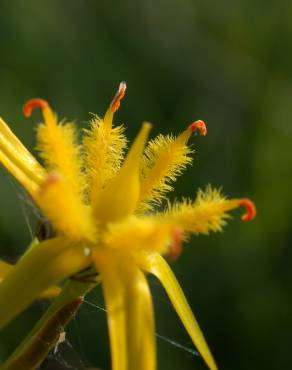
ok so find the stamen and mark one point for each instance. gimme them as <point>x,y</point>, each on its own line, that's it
<point>250,209</point>
<point>116,102</point>
<point>200,126</point>
<point>176,245</point>
<point>32,104</point>
<point>48,115</point>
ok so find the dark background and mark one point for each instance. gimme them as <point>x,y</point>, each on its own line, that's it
<point>227,62</point>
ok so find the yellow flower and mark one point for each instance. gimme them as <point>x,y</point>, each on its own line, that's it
<point>102,208</point>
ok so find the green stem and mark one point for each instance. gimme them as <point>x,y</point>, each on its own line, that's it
<point>46,333</point>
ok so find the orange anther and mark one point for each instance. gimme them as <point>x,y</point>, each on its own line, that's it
<point>31,104</point>
<point>198,125</point>
<point>176,245</point>
<point>116,102</point>
<point>250,209</point>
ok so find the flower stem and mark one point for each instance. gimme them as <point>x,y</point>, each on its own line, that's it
<point>45,334</point>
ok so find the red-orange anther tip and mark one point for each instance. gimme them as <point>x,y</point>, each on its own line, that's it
<point>31,104</point>
<point>176,245</point>
<point>116,102</point>
<point>200,126</point>
<point>250,209</point>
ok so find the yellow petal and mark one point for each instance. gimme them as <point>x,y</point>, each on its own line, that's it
<point>18,160</point>
<point>4,268</point>
<point>49,293</point>
<point>157,266</point>
<point>50,262</point>
<point>21,157</point>
<point>119,198</point>
<point>140,319</point>
<point>136,234</point>
<point>30,186</point>
<point>114,293</point>
<point>129,310</point>
<point>67,213</point>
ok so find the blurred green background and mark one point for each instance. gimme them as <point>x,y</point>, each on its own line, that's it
<point>227,62</point>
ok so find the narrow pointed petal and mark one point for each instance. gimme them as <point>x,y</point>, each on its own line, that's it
<point>30,186</point>
<point>136,233</point>
<point>18,153</point>
<point>18,160</point>
<point>157,266</point>
<point>130,311</point>
<point>140,320</point>
<point>66,212</point>
<point>50,262</point>
<point>49,293</point>
<point>119,198</point>
<point>114,293</point>
<point>4,268</point>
